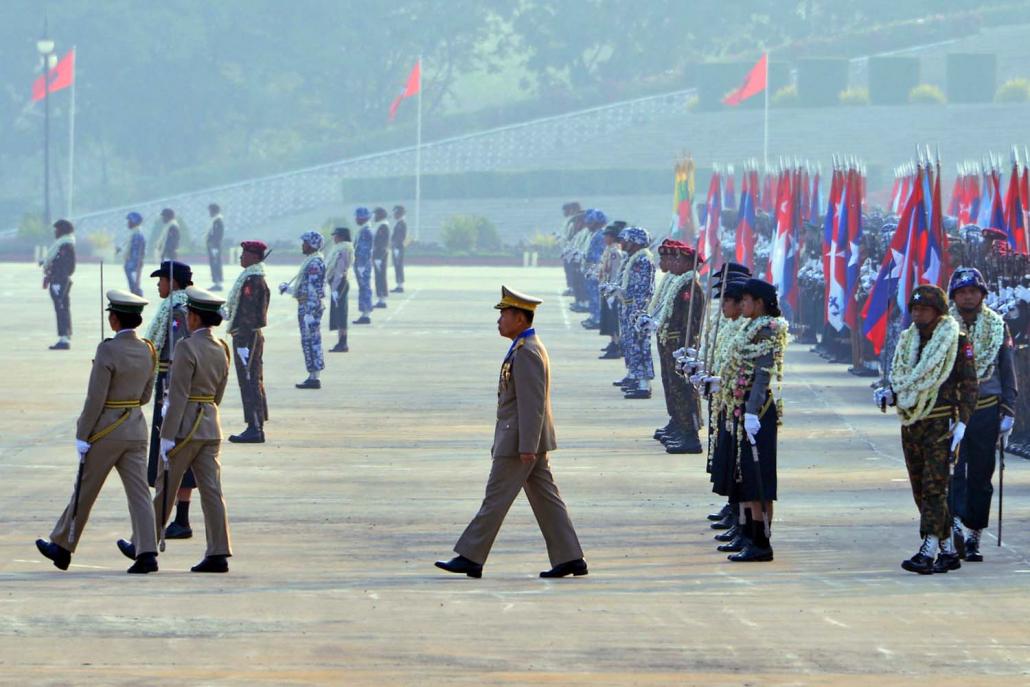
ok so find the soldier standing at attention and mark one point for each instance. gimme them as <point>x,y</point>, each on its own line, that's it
<point>337,267</point>
<point>381,256</point>
<point>635,291</point>
<point>58,266</point>
<point>166,331</point>
<point>308,287</point>
<point>215,236</point>
<point>135,249</point>
<point>398,239</point>
<point>933,384</point>
<point>112,434</point>
<point>363,265</point>
<point>246,314</point>
<point>191,436</point>
<point>169,237</point>
<point>971,489</point>
<point>522,437</point>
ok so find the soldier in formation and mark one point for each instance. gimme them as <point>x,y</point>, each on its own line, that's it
<point>246,315</point>
<point>337,270</point>
<point>58,266</point>
<point>308,287</point>
<point>135,250</point>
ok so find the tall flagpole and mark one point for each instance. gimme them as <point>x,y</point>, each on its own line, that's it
<point>418,156</point>
<point>71,134</point>
<point>765,128</point>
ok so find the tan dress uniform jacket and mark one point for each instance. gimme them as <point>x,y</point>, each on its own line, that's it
<point>121,381</point>
<point>524,425</point>
<point>199,373</point>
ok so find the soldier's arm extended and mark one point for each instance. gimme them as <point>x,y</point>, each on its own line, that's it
<point>96,393</point>
<point>531,398</point>
<point>180,375</point>
<point>1007,374</point>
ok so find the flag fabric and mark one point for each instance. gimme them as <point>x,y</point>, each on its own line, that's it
<point>710,248</point>
<point>1014,220</point>
<point>729,194</point>
<point>745,241</point>
<point>936,268</point>
<point>853,249</point>
<point>413,87</point>
<point>994,217</point>
<point>60,77</point>
<point>754,83</point>
<point>833,265</point>
<point>783,271</point>
<point>816,204</point>
<point>683,196</point>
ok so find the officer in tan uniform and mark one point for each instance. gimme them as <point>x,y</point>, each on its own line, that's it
<point>112,434</point>
<point>191,433</point>
<point>523,435</point>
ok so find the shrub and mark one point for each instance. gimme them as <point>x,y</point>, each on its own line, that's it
<point>926,94</point>
<point>32,231</point>
<point>1013,91</point>
<point>470,234</point>
<point>854,96</point>
<point>692,103</point>
<point>785,97</point>
<point>101,244</point>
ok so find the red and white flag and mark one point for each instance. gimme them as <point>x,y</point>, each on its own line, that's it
<point>754,83</point>
<point>413,87</point>
<point>60,77</point>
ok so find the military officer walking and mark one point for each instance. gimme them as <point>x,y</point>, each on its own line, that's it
<point>215,236</point>
<point>246,314</point>
<point>58,266</point>
<point>308,287</point>
<point>523,435</point>
<point>112,435</point>
<point>191,436</point>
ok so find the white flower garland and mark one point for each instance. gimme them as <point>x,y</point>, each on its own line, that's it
<point>298,279</point>
<point>659,293</point>
<point>55,248</point>
<point>666,305</point>
<point>233,302</point>
<point>628,265</point>
<point>986,334</point>
<point>916,378</point>
<point>738,371</point>
<point>158,330</point>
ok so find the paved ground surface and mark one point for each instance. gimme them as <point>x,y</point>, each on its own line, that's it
<point>337,520</point>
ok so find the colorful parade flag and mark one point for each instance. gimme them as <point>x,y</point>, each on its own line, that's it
<point>61,76</point>
<point>413,87</point>
<point>754,83</point>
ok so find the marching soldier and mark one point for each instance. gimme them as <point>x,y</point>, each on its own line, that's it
<point>246,314</point>
<point>215,236</point>
<point>169,237</point>
<point>933,384</point>
<point>191,437</point>
<point>166,331</point>
<point>337,269</point>
<point>635,293</point>
<point>381,256</point>
<point>135,249</point>
<point>971,489</point>
<point>308,287</point>
<point>523,436</point>
<point>58,267</point>
<point>112,434</point>
<point>398,240</point>
<point>363,265</point>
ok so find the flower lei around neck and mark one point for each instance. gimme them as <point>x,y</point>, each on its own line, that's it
<point>986,334</point>
<point>916,378</point>
<point>724,343</point>
<point>55,248</point>
<point>676,282</point>
<point>738,372</point>
<point>233,302</point>
<point>297,282</point>
<point>628,265</point>
<point>158,330</point>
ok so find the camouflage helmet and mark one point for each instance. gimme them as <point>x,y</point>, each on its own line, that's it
<point>966,276</point>
<point>930,295</point>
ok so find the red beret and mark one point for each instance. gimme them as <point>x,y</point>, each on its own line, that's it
<point>668,247</point>
<point>259,247</point>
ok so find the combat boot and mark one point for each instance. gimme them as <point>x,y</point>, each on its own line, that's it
<point>730,534</point>
<point>959,538</point>
<point>252,435</point>
<point>973,554</point>
<point>723,512</point>
<point>923,562</point>
<point>946,562</point>
<point>688,443</point>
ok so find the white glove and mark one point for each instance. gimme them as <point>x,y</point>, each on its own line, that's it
<point>56,288</point>
<point>751,425</point>
<point>883,396</point>
<point>697,379</point>
<point>81,446</point>
<point>958,430</point>
<point>335,296</point>
<point>244,354</point>
<point>714,383</point>
<point>691,352</point>
<point>309,319</point>
<point>166,446</point>
<point>214,252</point>
<point>695,367</point>
<point>1005,426</point>
<point>283,288</point>
<point>164,408</point>
<point>680,352</point>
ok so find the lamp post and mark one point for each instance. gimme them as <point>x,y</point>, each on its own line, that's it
<point>45,46</point>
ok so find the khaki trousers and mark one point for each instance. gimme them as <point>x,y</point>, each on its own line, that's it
<point>508,476</point>
<point>202,456</point>
<point>130,459</point>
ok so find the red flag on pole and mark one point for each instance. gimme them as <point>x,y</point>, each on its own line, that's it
<point>413,86</point>
<point>61,76</point>
<point>754,83</point>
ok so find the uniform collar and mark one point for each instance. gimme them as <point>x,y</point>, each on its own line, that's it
<point>515,342</point>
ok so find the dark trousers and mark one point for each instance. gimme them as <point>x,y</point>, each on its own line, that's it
<point>252,378</point>
<point>681,399</point>
<point>568,273</point>
<point>971,488</point>
<point>379,265</point>
<point>214,258</point>
<point>398,264</point>
<point>62,306</point>
<point>154,465</point>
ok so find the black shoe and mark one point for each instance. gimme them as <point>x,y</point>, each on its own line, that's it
<point>863,371</point>
<point>946,562</point>
<point>577,567</point>
<point>127,548</point>
<point>364,319</point>
<point>728,535</point>
<point>723,512</point>
<point>738,543</point>
<point>611,354</point>
<point>61,556</point>
<point>623,382</point>
<point>380,305</point>
<point>399,289</point>
<point>339,348</point>
<point>662,431</point>
<point>310,384</point>
<point>728,521</point>
<point>590,324</point>
<point>251,435</point>
<point>689,444</point>
<point>567,292</point>
<point>177,531</point>
<point>752,553</point>
<point>61,346</point>
<point>212,564</point>
<point>973,554</point>
<point>919,563</point>
<point>146,563</point>
<point>461,565</point>
<point>637,393</point>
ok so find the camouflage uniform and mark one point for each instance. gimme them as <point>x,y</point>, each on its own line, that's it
<point>681,399</point>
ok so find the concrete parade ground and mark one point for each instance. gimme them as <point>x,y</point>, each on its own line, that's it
<point>336,522</point>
